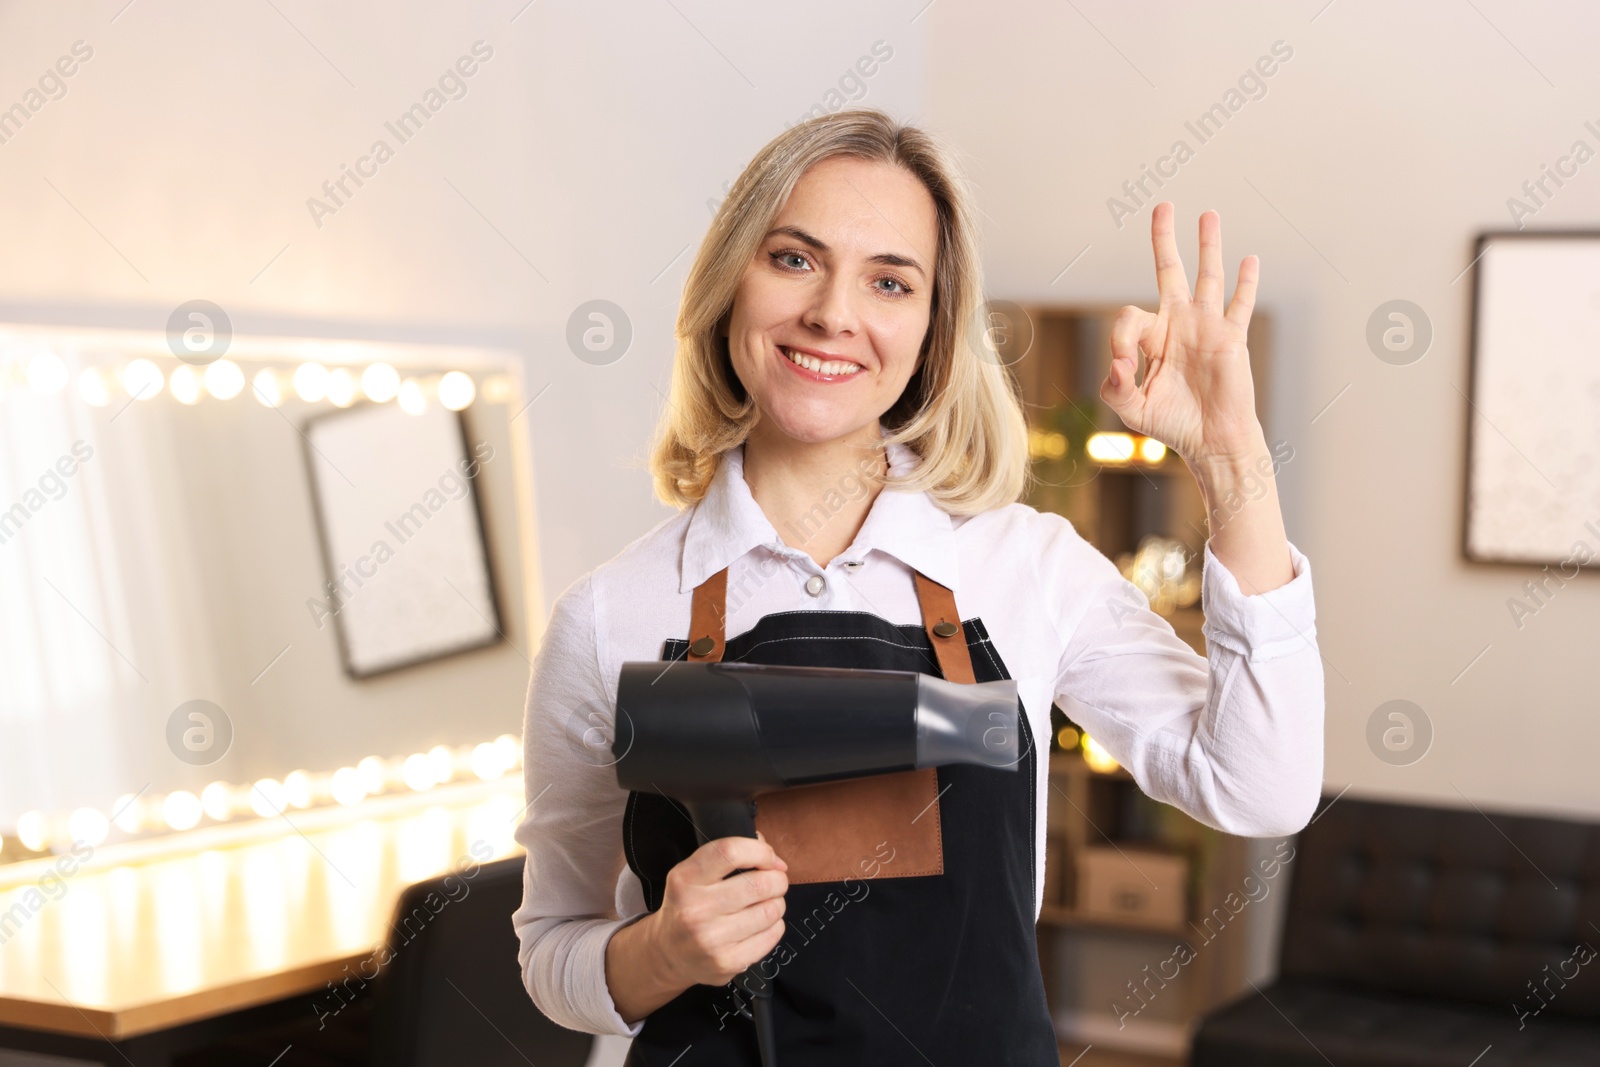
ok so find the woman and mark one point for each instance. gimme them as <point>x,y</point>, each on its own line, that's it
<point>848,467</point>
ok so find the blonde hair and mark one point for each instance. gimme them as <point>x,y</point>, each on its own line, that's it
<point>960,411</point>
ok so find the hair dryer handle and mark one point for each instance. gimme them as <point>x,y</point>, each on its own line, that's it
<point>722,818</point>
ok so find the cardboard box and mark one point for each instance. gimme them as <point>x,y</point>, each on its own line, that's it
<point>1132,885</point>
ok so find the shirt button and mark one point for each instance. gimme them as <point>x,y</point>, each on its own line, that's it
<point>815,585</point>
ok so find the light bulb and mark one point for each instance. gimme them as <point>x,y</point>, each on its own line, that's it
<point>267,798</point>
<point>217,801</point>
<point>1097,757</point>
<point>185,385</point>
<point>485,761</point>
<point>181,810</point>
<point>311,382</point>
<point>416,773</point>
<point>128,813</point>
<point>1110,447</point>
<point>33,830</point>
<point>142,379</point>
<point>456,390</point>
<point>374,777</point>
<point>224,379</point>
<point>347,787</point>
<point>509,750</point>
<point>411,398</point>
<point>93,387</point>
<point>88,826</point>
<point>297,789</point>
<point>342,388</point>
<point>441,763</point>
<point>266,388</point>
<point>380,382</point>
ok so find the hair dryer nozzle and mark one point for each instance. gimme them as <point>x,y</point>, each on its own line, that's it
<point>975,724</point>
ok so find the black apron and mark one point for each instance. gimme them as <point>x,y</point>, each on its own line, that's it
<point>937,968</point>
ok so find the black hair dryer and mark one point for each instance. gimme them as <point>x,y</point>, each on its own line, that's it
<point>715,735</point>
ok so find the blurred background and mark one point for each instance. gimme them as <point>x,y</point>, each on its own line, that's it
<point>478,217</point>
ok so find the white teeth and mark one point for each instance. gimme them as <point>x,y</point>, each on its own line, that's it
<point>814,364</point>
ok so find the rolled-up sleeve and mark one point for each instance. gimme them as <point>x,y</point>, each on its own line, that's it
<point>572,828</point>
<point>1233,738</point>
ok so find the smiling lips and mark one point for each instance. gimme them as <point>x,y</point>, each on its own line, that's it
<point>818,369</point>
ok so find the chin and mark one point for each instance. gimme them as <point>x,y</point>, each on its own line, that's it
<point>817,428</point>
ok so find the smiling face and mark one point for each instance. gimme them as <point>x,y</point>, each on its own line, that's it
<point>829,318</point>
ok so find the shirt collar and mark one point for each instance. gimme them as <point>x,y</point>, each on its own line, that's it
<point>727,523</point>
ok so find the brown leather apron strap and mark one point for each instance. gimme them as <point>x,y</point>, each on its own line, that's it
<point>838,830</point>
<point>707,618</point>
<point>943,623</point>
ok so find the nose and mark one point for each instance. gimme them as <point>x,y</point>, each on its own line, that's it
<point>832,309</point>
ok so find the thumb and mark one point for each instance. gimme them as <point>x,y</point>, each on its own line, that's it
<point>1118,388</point>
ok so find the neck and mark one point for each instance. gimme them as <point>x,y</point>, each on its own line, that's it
<point>816,495</point>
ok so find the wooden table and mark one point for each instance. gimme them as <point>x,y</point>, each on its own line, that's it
<point>149,936</point>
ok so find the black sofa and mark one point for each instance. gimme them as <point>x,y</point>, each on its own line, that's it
<point>1418,936</point>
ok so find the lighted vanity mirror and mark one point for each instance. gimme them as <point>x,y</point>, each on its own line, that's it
<point>302,556</point>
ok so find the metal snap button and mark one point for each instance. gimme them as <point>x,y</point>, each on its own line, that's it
<point>702,646</point>
<point>945,628</point>
<point>815,585</point>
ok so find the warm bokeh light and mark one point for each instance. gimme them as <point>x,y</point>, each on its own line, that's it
<point>417,773</point>
<point>1043,444</point>
<point>456,390</point>
<point>341,388</point>
<point>142,379</point>
<point>224,379</point>
<point>33,830</point>
<point>185,385</point>
<point>497,389</point>
<point>374,775</point>
<point>298,789</point>
<point>127,812</point>
<point>181,810</point>
<point>266,388</point>
<point>412,400</point>
<point>267,798</point>
<point>1151,450</point>
<point>311,382</point>
<point>1097,757</point>
<point>441,763</point>
<point>216,800</point>
<point>380,382</point>
<point>89,826</point>
<point>1110,447</point>
<point>94,387</point>
<point>346,786</point>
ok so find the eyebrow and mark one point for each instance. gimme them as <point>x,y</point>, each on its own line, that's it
<point>890,259</point>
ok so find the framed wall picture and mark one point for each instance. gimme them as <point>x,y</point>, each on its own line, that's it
<point>409,576</point>
<point>1533,442</point>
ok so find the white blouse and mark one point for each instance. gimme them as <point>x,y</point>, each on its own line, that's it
<point>1233,738</point>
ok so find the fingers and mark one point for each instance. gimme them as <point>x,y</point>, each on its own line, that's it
<point>1208,284</point>
<point>1171,282</point>
<point>717,859</point>
<point>1244,292</point>
<point>1132,324</point>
